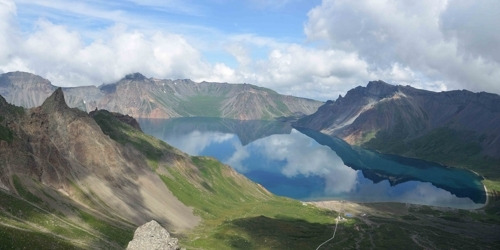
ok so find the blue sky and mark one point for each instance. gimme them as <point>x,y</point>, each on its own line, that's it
<point>310,48</point>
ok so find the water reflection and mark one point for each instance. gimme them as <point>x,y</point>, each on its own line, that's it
<point>290,163</point>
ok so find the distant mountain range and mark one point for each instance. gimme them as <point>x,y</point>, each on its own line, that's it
<point>457,128</point>
<point>143,97</point>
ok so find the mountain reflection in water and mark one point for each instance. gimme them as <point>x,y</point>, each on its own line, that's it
<point>308,165</point>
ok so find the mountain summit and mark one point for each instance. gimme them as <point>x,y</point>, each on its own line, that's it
<point>55,101</point>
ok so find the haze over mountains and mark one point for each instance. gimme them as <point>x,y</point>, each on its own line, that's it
<point>143,97</point>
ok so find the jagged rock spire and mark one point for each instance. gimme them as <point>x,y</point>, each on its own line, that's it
<point>55,102</point>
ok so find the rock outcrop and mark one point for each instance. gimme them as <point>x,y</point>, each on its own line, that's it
<point>152,236</point>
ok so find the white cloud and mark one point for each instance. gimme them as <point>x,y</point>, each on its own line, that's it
<point>433,40</point>
<point>61,55</point>
<point>7,39</point>
<point>426,44</point>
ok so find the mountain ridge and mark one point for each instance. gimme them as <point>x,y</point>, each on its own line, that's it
<point>143,97</point>
<point>407,121</point>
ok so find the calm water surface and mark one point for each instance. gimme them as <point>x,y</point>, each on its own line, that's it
<point>308,165</point>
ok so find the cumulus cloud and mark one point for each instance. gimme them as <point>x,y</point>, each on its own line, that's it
<point>61,55</point>
<point>7,39</point>
<point>298,70</point>
<point>430,44</point>
<point>432,40</point>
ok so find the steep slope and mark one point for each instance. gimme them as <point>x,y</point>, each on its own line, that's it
<point>57,153</point>
<point>25,89</point>
<point>143,97</point>
<point>458,128</point>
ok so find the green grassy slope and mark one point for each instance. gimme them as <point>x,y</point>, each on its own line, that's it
<point>31,221</point>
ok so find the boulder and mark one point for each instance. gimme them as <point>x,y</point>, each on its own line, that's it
<point>152,236</point>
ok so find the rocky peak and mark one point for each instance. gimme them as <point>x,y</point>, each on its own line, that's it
<point>55,101</point>
<point>380,89</point>
<point>135,76</point>
<point>152,236</point>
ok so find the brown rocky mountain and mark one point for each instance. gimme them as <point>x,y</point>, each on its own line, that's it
<point>143,97</point>
<point>61,156</point>
<point>452,127</point>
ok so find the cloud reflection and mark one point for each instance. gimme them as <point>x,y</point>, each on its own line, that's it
<point>303,157</point>
<point>195,142</point>
<point>295,165</point>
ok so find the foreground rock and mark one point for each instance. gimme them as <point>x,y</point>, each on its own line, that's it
<point>152,236</point>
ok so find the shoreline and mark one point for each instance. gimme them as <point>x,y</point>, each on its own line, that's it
<point>338,205</point>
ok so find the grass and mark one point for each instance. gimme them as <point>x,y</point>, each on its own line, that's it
<point>206,106</point>
<point>125,134</point>
<point>238,213</point>
<point>117,234</point>
<point>14,238</point>
<point>53,230</point>
<point>6,134</point>
<point>15,211</point>
<point>24,192</point>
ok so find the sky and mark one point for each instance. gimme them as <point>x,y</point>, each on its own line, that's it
<point>317,49</point>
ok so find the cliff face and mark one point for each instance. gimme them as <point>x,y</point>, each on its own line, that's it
<point>63,151</point>
<point>25,89</point>
<point>143,97</point>
<point>413,122</point>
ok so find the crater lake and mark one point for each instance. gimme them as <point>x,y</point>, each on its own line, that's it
<point>310,166</point>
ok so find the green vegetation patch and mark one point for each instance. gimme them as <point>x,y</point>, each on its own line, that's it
<point>6,134</point>
<point>239,214</point>
<point>24,192</point>
<point>117,234</point>
<point>123,133</point>
<point>16,212</point>
<point>200,105</point>
<point>443,145</point>
<point>14,238</point>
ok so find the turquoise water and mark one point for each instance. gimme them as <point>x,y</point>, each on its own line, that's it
<point>308,165</point>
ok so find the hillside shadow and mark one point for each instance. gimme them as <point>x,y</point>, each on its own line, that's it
<point>278,233</point>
